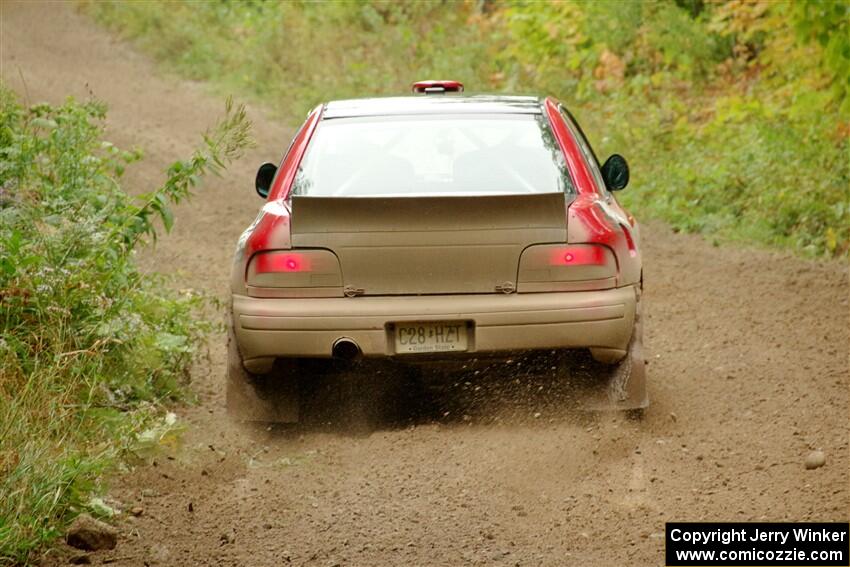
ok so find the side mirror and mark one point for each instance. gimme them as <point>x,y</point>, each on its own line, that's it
<point>265,176</point>
<point>615,172</point>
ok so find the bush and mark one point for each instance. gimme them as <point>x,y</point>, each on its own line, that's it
<point>90,348</point>
<point>297,54</point>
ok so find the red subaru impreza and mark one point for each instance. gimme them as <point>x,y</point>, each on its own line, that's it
<point>430,227</point>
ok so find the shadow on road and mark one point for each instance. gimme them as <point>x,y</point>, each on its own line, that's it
<point>360,398</point>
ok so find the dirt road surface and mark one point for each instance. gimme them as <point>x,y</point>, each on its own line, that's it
<point>748,355</point>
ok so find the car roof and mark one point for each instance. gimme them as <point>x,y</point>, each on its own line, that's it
<point>432,104</point>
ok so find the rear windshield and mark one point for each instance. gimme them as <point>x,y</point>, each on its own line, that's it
<point>476,154</point>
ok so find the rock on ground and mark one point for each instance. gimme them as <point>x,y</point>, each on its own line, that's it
<point>815,460</point>
<point>90,534</point>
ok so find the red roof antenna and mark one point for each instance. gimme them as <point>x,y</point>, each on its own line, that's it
<point>437,87</point>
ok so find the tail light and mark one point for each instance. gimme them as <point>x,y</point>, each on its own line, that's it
<point>282,262</point>
<point>578,255</point>
<point>570,267</point>
<point>294,273</point>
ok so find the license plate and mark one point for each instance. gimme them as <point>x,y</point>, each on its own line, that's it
<point>430,337</point>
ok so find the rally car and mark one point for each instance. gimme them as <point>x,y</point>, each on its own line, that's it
<point>434,226</point>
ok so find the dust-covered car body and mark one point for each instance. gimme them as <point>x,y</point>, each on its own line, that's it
<point>436,226</point>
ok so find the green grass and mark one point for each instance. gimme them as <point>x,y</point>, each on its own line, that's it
<point>730,115</point>
<point>91,349</point>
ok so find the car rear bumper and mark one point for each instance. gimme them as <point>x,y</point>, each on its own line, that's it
<point>270,328</point>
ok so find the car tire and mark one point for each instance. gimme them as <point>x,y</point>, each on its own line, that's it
<point>269,398</point>
<point>624,382</point>
<point>626,388</point>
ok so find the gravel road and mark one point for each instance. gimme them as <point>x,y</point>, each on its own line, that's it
<point>748,370</point>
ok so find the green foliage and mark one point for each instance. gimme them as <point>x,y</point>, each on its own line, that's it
<point>89,345</point>
<point>828,23</point>
<point>756,192</point>
<point>734,113</point>
<point>294,54</point>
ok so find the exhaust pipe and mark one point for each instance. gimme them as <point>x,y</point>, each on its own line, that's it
<point>345,349</point>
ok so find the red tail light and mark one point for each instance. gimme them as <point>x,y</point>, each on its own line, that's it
<point>276,262</point>
<point>566,267</point>
<point>291,273</point>
<point>582,255</point>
